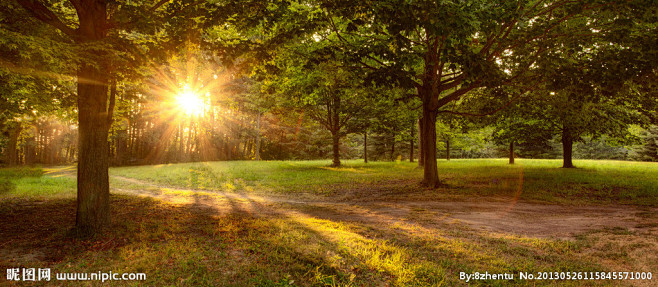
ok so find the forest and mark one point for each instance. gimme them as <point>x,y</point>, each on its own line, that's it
<point>421,97</point>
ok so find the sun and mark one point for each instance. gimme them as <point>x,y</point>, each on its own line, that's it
<point>190,103</point>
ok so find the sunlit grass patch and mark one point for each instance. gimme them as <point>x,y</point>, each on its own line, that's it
<point>282,176</point>
<point>30,182</point>
<point>358,258</point>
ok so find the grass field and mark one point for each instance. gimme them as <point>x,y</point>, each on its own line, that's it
<point>302,223</point>
<point>593,182</point>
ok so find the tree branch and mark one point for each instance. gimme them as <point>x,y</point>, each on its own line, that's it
<point>485,114</point>
<point>43,14</point>
<point>458,93</point>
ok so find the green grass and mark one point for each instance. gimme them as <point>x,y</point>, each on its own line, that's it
<point>246,242</point>
<point>594,181</point>
<point>30,182</point>
<point>598,182</point>
<point>278,176</point>
<point>602,182</point>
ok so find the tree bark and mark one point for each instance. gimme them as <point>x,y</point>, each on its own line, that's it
<point>181,143</point>
<point>258,136</point>
<point>365,147</point>
<point>421,148</point>
<point>228,147</point>
<point>11,153</point>
<point>511,152</point>
<point>448,149</point>
<point>411,142</point>
<point>335,136</point>
<point>93,204</point>
<point>334,116</point>
<point>567,148</point>
<point>122,147</point>
<point>430,171</point>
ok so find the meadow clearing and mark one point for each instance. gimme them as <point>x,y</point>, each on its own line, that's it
<point>303,223</point>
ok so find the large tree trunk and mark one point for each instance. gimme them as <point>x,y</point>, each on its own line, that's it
<point>93,117</point>
<point>430,173</point>
<point>11,153</point>
<point>93,205</point>
<point>567,148</point>
<point>335,136</point>
<point>511,152</point>
<point>365,147</point>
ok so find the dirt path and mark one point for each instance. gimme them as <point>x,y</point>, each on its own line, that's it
<point>499,215</point>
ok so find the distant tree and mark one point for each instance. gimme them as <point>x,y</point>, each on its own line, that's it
<point>327,93</point>
<point>648,151</point>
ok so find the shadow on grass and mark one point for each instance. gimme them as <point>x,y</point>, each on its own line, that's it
<point>239,240</point>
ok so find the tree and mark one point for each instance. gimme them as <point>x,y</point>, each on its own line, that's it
<point>446,49</point>
<point>588,79</point>
<point>329,94</point>
<point>648,151</point>
<point>97,30</point>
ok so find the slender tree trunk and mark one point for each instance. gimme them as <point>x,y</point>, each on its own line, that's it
<point>250,147</point>
<point>567,149</point>
<point>335,136</point>
<point>365,147</point>
<point>93,204</point>
<point>421,148</point>
<point>188,148</point>
<point>229,153</point>
<point>411,142</point>
<point>448,149</point>
<point>511,152</point>
<point>181,143</point>
<point>68,151</point>
<point>393,149</point>
<point>258,136</point>
<point>430,171</point>
<point>334,115</point>
<point>37,143</point>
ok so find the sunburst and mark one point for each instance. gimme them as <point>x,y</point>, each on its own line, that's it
<point>190,102</point>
